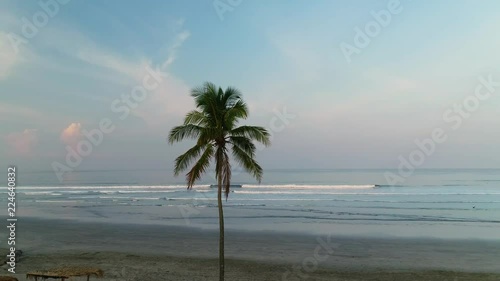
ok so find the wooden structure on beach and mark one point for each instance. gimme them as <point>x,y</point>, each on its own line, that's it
<point>65,273</point>
<point>8,278</point>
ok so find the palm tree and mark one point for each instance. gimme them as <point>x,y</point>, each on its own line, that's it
<point>214,124</point>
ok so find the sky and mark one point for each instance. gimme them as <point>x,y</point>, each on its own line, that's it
<point>339,84</point>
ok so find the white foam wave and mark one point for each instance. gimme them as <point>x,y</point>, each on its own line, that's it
<point>292,192</point>
<point>304,186</point>
<point>110,187</point>
<point>58,201</point>
<point>37,193</point>
<point>173,188</point>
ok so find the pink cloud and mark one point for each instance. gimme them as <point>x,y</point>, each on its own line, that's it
<point>72,134</point>
<point>23,143</point>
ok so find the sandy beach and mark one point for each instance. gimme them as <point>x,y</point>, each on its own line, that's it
<point>149,252</point>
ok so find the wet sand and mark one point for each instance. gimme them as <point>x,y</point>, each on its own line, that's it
<point>149,252</point>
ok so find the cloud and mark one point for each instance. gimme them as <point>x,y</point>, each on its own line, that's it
<point>72,134</point>
<point>23,142</point>
<point>132,68</point>
<point>88,51</point>
<point>94,60</point>
<point>172,50</point>
<point>107,60</point>
<point>171,97</point>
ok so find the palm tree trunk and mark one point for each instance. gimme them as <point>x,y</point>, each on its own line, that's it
<point>221,230</point>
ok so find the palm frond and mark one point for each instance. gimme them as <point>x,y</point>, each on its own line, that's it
<point>206,99</point>
<point>230,96</point>
<point>219,158</point>
<point>196,117</point>
<point>182,132</point>
<point>259,134</point>
<point>199,92</point>
<point>183,161</point>
<point>238,111</point>
<point>247,162</point>
<point>226,174</point>
<point>244,144</point>
<point>200,167</point>
<point>208,135</point>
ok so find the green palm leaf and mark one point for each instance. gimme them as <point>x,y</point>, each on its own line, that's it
<point>182,162</point>
<point>253,132</point>
<point>247,162</point>
<point>244,144</point>
<point>200,167</point>
<point>180,133</point>
<point>197,118</point>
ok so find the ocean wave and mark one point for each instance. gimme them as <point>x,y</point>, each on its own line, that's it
<point>33,190</point>
<point>37,193</point>
<point>305,186</point>
<point>104,187</point>
<point>58,201</point>
<point>293,192</point>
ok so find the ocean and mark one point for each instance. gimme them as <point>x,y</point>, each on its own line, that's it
<point>444,203</point>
